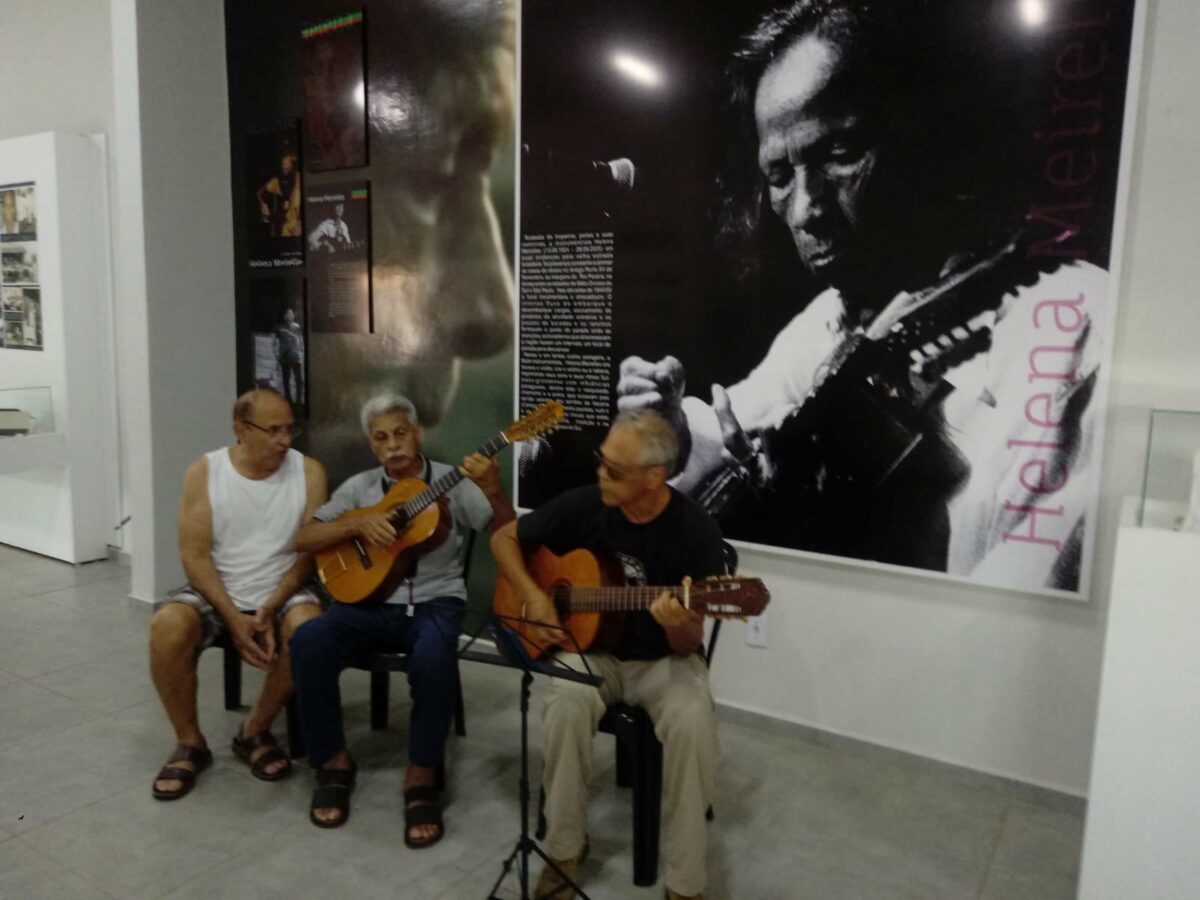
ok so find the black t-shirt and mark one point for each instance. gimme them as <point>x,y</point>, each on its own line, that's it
<point>682,540</point>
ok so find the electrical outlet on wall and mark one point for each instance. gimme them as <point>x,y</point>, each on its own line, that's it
<point>756,631</point>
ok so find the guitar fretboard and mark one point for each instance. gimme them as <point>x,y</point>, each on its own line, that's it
<point>624,598</point>
<point>442,485</point>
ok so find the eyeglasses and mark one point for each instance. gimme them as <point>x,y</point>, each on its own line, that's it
<point>616,472</point>
<point>275,431</point>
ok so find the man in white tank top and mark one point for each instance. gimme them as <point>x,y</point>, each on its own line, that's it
<point>422,618</point>
<point>238,516</point>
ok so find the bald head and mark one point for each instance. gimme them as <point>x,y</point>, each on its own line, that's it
<point>255,401</point>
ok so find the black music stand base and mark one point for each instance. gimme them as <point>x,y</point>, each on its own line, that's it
<point>526,844</point>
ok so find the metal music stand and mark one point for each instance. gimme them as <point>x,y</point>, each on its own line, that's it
<point>512,654</point>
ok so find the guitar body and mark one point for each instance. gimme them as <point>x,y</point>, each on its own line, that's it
<point>556,575</point>
<point>355,571</point>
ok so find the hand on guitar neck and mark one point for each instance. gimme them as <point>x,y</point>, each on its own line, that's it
<point>684,628</point>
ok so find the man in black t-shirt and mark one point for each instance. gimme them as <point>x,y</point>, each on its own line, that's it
<point>658,537</point>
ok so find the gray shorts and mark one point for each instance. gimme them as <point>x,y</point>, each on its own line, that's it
<point>212,626</point>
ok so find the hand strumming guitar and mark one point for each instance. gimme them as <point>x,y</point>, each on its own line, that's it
<point>375,528</point>
<point>536,606</point>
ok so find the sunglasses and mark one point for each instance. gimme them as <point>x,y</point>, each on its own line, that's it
<point>616,472</point>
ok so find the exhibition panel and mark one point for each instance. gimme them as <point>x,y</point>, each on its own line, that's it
<point>53,280</point>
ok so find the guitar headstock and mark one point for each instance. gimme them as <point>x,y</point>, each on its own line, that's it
<point>730,598</point>
<point>536,422</point>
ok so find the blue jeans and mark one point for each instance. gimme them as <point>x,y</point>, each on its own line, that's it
<point>322,647</point>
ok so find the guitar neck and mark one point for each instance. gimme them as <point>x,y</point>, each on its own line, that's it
<point>441,486</point>
<point>626,598</point>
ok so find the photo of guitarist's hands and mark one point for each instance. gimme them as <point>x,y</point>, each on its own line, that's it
<point>657,385</point>
<point>737,445</point>
<point>375,529</point>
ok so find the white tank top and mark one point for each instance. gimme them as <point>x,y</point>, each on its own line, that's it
<point>254,523</point>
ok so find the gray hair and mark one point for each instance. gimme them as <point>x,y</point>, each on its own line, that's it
<point>382,404</point>
<point>660,445</point>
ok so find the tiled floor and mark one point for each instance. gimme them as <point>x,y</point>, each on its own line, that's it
<point>81,734</point>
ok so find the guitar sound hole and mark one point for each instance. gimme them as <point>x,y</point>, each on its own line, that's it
<point>560,596</point>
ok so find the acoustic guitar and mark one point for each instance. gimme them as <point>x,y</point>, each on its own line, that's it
<point>356,571</point>
<point>591,599</point>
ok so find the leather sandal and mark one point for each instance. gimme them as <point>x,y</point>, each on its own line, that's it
<point>422,806</point>
<point>333,792</point>
<point>199,757</point>
<point>244,747</point>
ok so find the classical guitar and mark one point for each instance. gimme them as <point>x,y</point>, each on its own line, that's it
<point>355,570</point>
<point>591,598</point>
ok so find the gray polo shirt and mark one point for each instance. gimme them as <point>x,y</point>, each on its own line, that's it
<point>439,572</point>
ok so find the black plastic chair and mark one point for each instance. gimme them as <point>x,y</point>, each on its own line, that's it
<point>381,666</point>
<point>639,764</point>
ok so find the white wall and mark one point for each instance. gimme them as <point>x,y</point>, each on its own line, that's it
<point>149,74</point>
<point>997,681</point>
<point>1142,827</point>
<point>58,60</point>
<point>174,253</point>
<point>61,508</point>
<point>58,67</point>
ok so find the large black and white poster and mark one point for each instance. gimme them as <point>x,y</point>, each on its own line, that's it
<point>858,254</point>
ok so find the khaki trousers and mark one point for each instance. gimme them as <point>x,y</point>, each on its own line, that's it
<point>674,691</point>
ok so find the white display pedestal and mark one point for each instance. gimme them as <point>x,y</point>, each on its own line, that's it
<point>1143,820</point>
<point>55,489</point>
<point>32,452</point>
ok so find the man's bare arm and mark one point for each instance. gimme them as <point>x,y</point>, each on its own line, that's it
<point>195,540</point>
<point>484,472</point>
<point>195,550</point>
<point>510,560</point>
<point>316,535</point>
<point>315,486</point>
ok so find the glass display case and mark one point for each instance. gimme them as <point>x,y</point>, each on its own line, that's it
<point>25,411</point>
<point>1171,481</point>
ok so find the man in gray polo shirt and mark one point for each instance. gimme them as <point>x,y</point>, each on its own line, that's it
<point>422,618</point>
